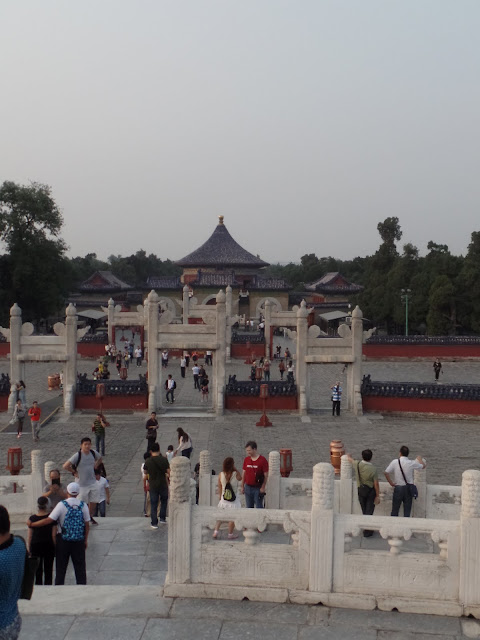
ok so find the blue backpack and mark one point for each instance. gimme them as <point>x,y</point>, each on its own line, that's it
<point>73,527</point>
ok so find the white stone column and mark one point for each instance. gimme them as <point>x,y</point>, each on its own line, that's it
<point>346,477</point>
<point>301,365</point>
<point>205,480</point>
<point>321,539</point>
<point>37,479</point>
<point>354,400</point>
<point>273,487</point>
<point>70,370</point>
<point>16,368</point>
<point>186,304</point>
<point>229,313</point>
<point>47,467</point>
<point>268,324</point>
<point>110,319</point>
<point>469,592</point>
<point>420,504</point>
<point>153,368</point>
<point>179,522</point>
<point>221,354</point>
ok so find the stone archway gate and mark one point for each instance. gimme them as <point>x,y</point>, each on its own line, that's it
<point>313,348</point>
<point>61,347</point>
<point>163,334</point>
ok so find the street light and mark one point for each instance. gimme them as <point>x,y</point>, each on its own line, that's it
<point>405,295</point>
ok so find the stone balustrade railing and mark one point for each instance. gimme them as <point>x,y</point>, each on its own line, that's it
<point>440,502</point>
<point>319,556</point>
<point>252,388</point>
<point>423,390</point>
<point>433,340</point>
<point>19,494</point>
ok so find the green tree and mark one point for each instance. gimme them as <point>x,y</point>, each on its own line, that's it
<point>39,275</point>
<point>441,317</point>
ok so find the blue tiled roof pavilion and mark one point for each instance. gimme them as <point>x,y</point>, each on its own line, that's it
<point>221,251</point>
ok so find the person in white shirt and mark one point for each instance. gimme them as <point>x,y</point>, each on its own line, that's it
<point>138,356</point>
<point>183,366</point>
<point>169,453</point>
<point>103,489</point>
<point>399,475</point>
<point>170,386</point>
<point>208,357</point>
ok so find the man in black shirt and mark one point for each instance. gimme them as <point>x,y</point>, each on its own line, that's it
<point>151,427</point>
<point>158,471</point>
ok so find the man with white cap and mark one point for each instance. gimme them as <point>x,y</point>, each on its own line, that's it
<point>73,523</point>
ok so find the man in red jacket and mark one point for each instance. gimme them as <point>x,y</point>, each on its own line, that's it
<point>34,413</point>
<point>254,477</point>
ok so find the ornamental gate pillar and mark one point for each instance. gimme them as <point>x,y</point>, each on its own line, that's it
<point>153,371</point>
<point>16,366</point>
<point>302,340</point>
<point>221,355</point>
<point>186,304</point>
<point>321,538</point>
<point>354,400</point>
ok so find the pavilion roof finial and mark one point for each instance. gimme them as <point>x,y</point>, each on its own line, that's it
<point>220,219</point>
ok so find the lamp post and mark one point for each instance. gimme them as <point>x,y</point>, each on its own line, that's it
<point>405,295</point>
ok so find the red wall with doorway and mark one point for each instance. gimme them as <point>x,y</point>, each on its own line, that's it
<point>110,403</point>
<point>241,350</point>
<point>4,349</point>
<point>421,405</point>
<point>3,403</point>
<point>412,351</point>
<point>255,403</point>
<point>195,321</point>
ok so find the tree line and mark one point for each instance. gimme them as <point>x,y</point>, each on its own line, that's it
<point>35,271</point>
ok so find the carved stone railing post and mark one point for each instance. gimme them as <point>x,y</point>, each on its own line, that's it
<point>273,483</point>
<point>221,354</point>
<point>70,370</point>
<point>420,504</point>
<point>36,479</point>
<point>268,324</point>
<point>205,480</point>
<point>469,591</point>
<point>110,319</point>
<point>346,477</point>
<point>355,369</point>
<point>152,342</point>
<point>179,521</point>
<point>229,315</point>
<point>186,304</point>
<point>301,365</point>
<point>15,350</point>
<point>48,466</point>
<point>321,538</point>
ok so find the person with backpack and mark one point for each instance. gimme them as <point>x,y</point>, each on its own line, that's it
<point>82,465</point>
<point>18,417</point>
<point>12,563</point>
<point>228,480</point>
<point>170,386</point>
<point>73,524</point>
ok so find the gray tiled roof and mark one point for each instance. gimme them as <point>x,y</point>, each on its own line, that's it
<point>327,284</point>
<point>221,250</point>
<point>215,280</point>
<point>278,284</point>
<point>103,281</point>
<point>164,282</point>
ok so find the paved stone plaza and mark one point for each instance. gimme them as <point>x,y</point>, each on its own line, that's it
<point>123,551</point>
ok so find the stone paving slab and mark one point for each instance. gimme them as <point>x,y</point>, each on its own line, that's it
<point>111,629</point>
<point>182,630</point>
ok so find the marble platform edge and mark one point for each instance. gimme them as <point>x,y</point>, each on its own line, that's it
<point>107,600</point>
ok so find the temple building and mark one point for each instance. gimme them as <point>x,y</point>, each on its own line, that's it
<point>216,264</point>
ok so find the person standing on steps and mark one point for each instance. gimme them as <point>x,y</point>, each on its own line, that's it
<point>183,366</point>
<point>170,386</point>
<point>152,428</point>
<point>254,477</point>
<point>158,471</point>
<point>336,398</point>
<point>18,417</point>
<point>368,488</point>
<point>83,465</point>
<point>437,368</point>
<point>399,475</point>
<point>73,525</point>
<point>34,414</point>
<point>98,427</point>
<point>196,372</point>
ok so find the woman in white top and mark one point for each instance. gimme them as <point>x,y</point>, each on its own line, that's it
<point>185,446</point>
<point>228,489</point>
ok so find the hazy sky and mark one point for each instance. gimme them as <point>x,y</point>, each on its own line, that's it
<point>303,122</point>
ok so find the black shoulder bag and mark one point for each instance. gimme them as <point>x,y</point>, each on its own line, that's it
<point>412,488</point>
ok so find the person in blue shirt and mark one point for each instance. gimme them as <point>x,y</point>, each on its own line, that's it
<point>12,563</point>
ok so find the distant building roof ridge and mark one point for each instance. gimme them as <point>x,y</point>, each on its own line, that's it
<point>221,250</point>
<point>103,281</point>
